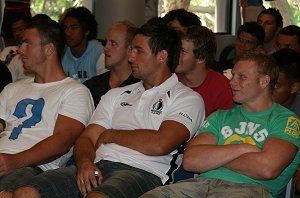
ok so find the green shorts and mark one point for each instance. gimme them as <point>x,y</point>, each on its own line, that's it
<point>208,188</point>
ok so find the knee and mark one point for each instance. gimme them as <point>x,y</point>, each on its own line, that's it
<point>25,192</point>
<point>96,195</point>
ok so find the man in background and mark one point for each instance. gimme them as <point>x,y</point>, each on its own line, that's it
<point>83,50</point>
<point>271,20</point>
<point>116,49</point>
<point>289,37</point>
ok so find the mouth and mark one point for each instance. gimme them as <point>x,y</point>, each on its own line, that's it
<point>24,58</point>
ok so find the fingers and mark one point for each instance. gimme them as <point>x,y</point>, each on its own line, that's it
<point>88,181</point>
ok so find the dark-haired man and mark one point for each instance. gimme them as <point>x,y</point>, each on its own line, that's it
<point>40,117</point>
<point>289,37</point>
<point>271,20</point>
<point>135,139</point>
<point>83,50</point>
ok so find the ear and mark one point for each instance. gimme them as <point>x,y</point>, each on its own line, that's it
<point>295,87</point>
<point>264,81</point>
<point>49,49</point>
<point>162,56</point>
<point>87,33</point>
<point>200,61</point>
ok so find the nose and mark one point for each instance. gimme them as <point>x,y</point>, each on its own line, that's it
<point>21,49</point>
<point>106,47</point>
<point>131,56</point>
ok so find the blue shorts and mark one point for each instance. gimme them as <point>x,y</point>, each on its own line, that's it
<point>120,180</point>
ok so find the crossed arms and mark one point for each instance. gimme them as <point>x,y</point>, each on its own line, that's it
<point>202,154</point>
<point>149,142</point>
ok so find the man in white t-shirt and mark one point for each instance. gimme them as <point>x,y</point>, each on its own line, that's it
<point>41,117</point>
<point>135,138</point>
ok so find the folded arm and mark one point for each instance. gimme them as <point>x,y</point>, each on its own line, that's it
<point>203,153</point>
<point>275,156</point>
<point>149,142</point>
<point>65,132</point>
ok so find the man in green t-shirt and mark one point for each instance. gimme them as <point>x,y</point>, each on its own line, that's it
<point>248,151</point>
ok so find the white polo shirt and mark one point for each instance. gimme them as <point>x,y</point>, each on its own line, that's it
<point>133,107</point>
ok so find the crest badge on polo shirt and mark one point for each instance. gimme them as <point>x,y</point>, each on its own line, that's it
<point>157,107</point>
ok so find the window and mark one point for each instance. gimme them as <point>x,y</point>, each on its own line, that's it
<point>206,10</point>
<point>52,8</point>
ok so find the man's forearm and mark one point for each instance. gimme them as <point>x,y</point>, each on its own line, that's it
<point>204,157</point>
<point>250,164</point>
<point>84,150</point>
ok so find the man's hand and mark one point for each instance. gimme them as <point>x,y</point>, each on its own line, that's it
<point>86,178</point>
<point>8,163</point>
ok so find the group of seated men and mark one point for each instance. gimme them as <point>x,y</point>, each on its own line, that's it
<point>150,123</point>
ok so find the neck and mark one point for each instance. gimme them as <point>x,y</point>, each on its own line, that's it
<point>194,78</point>
<point>52,73</point>
<point>156,80</point>
<point>270,45</point>
<point>258,104</point>
<point>118,74</point>
<point>289,102</point>
<point>77,51</point>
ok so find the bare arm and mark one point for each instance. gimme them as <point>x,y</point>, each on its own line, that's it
<point>85,152</point>
<point>276,155</point>
<point>149,142</point>
<point>202,153</point>
<point>65,132</point>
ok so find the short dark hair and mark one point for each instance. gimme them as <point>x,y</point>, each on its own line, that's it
<point>255,30</point>
<point>288,61</point>
<point>274,12</point>
<point>162,37</point>
<point>85,18</point>
<point>50,32</point>
<point>20,16</point>
<point>184,17</point>
<point>204,41</point>
<point>291,30</point>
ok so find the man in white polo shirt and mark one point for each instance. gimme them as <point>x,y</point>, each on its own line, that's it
<point>135,139</point>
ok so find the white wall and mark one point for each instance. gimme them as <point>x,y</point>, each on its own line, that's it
<point>109,11</point>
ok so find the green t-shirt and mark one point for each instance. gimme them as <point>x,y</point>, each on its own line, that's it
<point>239,126</point>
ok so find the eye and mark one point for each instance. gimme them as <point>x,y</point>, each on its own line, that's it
<point>113,43</point>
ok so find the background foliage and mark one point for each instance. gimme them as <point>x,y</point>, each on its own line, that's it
<point>52,8</point>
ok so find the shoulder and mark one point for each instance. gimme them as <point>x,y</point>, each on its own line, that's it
<point>96,80</point>
<point>217,77</point>
<point>181,94</point>
<point>71,85</point>
<point>126,90</point>
<point>217,81</point>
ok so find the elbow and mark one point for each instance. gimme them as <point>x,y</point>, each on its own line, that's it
<point>159,150</point>
<point>268,173</point>
<point>189,163</point>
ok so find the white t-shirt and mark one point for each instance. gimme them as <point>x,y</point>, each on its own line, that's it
<point>31,109</point>
<point>133,107</point>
